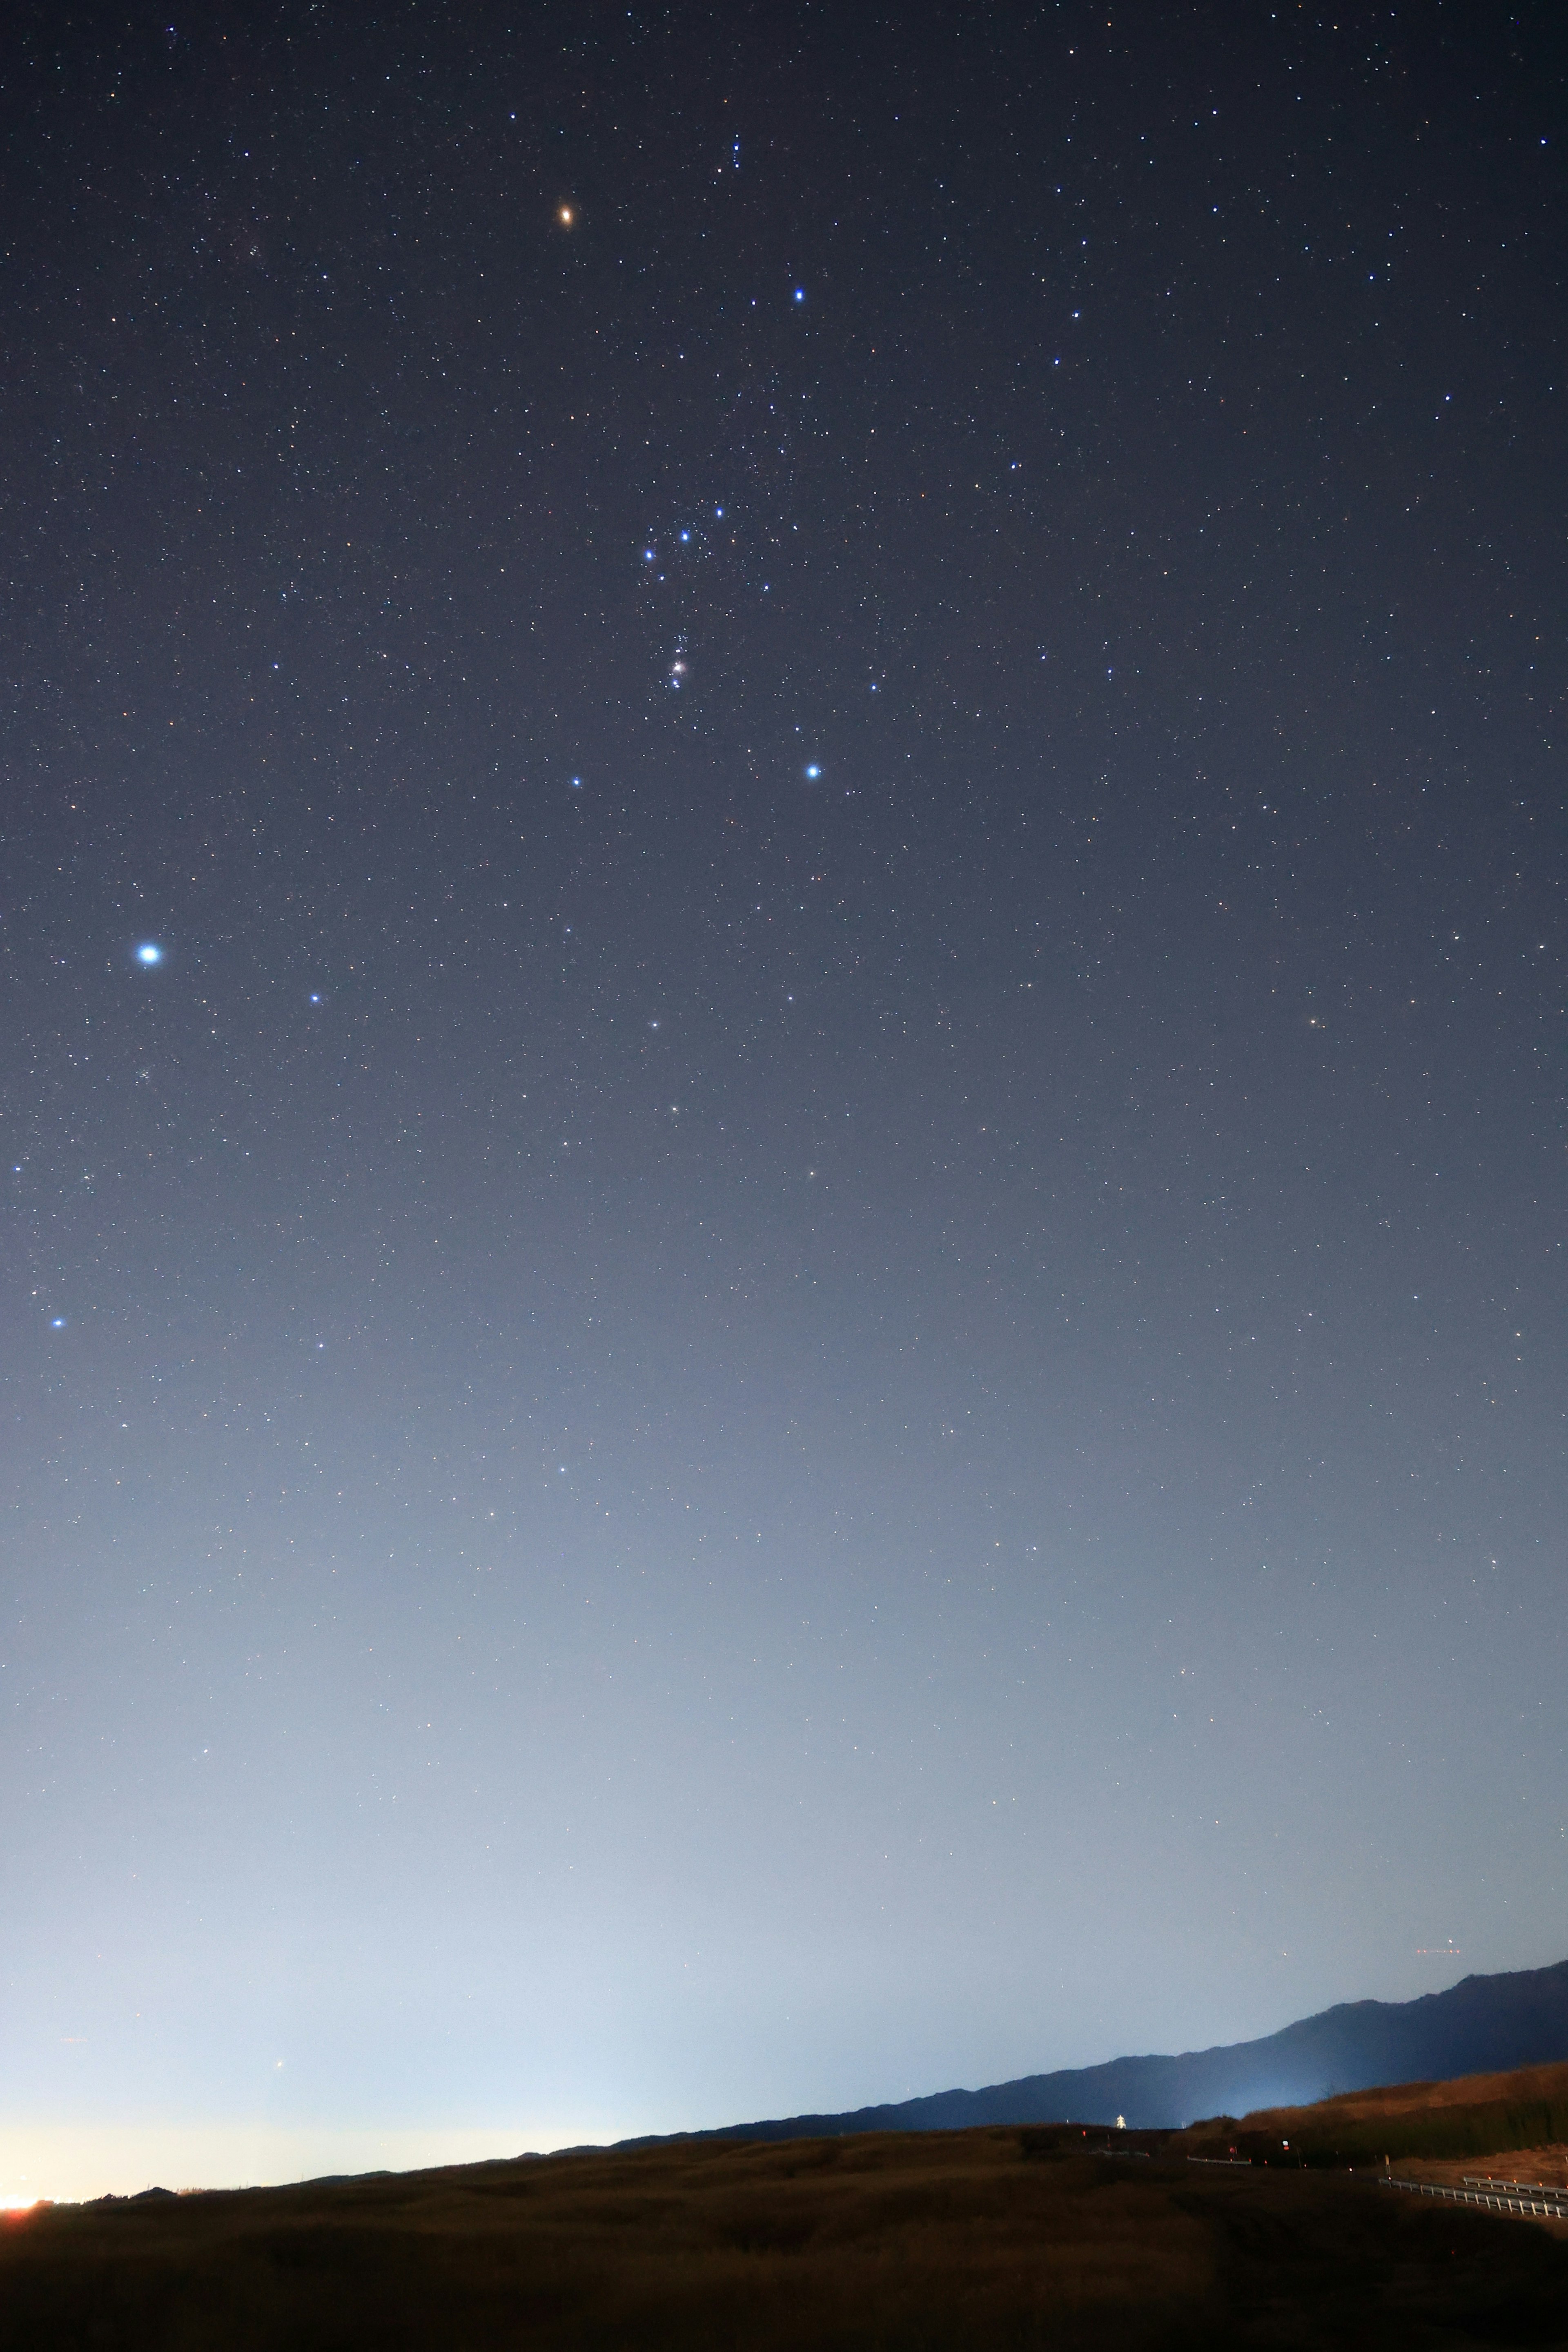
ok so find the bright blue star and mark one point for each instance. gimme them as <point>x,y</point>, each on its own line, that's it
<point>812,773</point>
<point>800,293</point>
<point>647,555</point>
<point>56,1322</point>
<point>149,952</point>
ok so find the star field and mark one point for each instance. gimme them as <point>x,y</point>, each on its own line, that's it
<point>782,927</point>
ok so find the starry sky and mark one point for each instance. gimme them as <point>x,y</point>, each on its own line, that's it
<point>782,1311</point>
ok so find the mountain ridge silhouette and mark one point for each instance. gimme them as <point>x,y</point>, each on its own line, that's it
<point>1483,2024</point>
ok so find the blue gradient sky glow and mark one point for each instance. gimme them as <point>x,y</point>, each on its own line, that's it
<point>678,1447</point>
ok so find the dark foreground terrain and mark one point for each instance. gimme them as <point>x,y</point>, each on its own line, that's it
<point>960,2241</point>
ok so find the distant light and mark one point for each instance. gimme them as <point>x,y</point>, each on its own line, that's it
<point>812,773</point>
<point>149,952</point>
<point>564,216</point>
<point>56,1322</point>
<point>800,293</point>
<point>576,783</point>
<point>685,534</point>
<point>719,510</point>
<point>315,1000</point>
<point>647,555</point>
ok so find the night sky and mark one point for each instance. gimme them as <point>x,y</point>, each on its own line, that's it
<point>782,1302</point>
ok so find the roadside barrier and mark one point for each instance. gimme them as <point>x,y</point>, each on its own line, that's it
<point>1525,2196</point>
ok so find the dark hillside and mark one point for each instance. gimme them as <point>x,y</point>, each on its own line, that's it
<point>915,2243</point>
<point>1477,2115</point>
<point>1482,2025</point>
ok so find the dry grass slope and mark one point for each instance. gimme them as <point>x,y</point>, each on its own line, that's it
<point>918,2242</point>
<point>1473,2116</point>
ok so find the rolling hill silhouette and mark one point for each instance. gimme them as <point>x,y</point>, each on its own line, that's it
<point>1481,2025</point>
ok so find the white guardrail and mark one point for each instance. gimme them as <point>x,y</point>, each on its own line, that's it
<point>1528,2197</point>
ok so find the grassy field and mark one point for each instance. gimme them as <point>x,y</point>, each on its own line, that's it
<point>913,2242</point>
<point>1472,2116</point>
